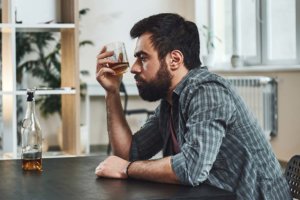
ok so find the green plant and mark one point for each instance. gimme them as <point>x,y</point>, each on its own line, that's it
<point>210,38</point>
<point>46,65</point>
<point>46,50</point>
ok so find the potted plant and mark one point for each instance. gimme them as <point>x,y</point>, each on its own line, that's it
<point>209,58</point>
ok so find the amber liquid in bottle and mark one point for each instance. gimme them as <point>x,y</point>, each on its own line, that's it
<point>32,161</point>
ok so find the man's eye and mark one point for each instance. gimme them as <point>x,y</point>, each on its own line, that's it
<point>143,58</point>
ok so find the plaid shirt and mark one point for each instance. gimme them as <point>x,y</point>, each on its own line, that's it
<point>220,141</point>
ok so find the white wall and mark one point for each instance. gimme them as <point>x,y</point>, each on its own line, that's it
<point>111,20</point>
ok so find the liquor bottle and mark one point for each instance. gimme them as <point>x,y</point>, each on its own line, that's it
<point>31,134</point>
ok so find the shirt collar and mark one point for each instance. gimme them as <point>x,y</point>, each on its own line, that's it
<point>181,85</point>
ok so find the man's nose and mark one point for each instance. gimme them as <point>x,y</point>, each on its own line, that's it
<point>135,68</point>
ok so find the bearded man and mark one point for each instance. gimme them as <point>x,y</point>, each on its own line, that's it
<point>203,127</point>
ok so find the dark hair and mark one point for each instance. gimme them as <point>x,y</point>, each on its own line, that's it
<point>170,32</point>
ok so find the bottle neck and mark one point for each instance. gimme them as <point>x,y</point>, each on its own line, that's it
<point>30,107</point>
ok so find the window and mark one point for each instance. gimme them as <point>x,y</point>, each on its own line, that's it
<point>262,32</point>
<point>223,31</point>
<point>248,19</point>
<point>269,31</point>
<point>282,30</point>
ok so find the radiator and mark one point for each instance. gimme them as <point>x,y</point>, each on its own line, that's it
<point>260,95</point>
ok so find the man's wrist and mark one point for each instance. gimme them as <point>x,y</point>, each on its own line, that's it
<point>127,168</point>
<point>112,94</point>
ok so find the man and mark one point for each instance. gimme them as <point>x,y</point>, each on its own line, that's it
<point>203,127</point>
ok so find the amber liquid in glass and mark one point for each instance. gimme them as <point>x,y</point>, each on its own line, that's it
<point>32,161</point>
<point>119,67</point>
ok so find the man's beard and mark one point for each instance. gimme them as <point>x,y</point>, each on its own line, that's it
<point>158,87</point>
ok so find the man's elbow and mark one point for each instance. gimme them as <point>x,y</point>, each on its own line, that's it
<point>195,180</point>
<point>190,174</point>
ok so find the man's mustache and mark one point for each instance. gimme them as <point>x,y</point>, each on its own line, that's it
<point>138,78</point>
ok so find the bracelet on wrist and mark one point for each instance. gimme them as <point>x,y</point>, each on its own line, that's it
<point>127,168</point>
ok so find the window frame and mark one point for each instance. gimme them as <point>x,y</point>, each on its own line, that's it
<point>263,35</point>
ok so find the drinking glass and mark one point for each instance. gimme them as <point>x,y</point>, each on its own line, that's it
<point>119,59</point>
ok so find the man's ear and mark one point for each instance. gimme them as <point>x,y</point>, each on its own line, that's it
<point>176,59</point>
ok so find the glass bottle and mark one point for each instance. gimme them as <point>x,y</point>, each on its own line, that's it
<point>31,134</point>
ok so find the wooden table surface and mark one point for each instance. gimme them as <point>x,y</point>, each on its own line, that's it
<point>73,178</point>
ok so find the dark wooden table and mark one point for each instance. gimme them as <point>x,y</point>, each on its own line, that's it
<point>74,178</point>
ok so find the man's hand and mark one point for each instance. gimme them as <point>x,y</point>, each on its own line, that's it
<point>112,167</point>
<point>152,170</point>
<point>105,75</point>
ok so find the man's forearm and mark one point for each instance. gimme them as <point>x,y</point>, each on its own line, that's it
<point>118,130</point>
<point>153,170</point>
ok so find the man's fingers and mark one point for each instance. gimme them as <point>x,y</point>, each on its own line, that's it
<point>105,54</point>
<point>102,59</point>
<point>98,172</point>
<point>103,62</point>
<point>103,49</point>
<point>104,71</point>
<point>98,169</point>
